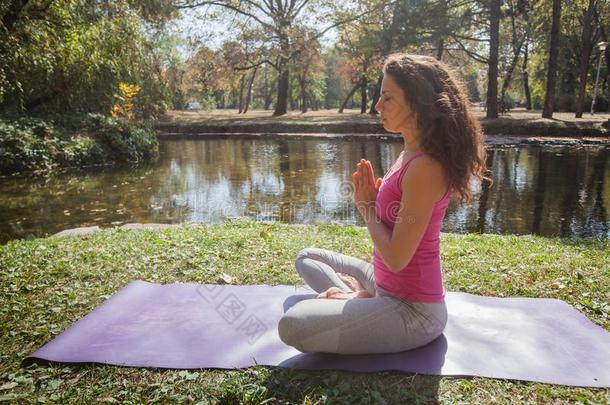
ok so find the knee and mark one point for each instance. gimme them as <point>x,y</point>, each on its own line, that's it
<point>288,330</point>
<point>305,253</point>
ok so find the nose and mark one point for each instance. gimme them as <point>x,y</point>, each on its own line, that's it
<point>378,106</point>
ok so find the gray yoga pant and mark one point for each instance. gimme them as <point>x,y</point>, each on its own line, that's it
<point>381,324</point>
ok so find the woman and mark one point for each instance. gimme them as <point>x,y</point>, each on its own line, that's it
<point>396,302</point>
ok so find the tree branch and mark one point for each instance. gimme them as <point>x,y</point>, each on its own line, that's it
<point>261,62</point>
<point>473,55</point>
<point>225,5</point>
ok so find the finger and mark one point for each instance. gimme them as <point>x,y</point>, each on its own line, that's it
<point>363,173</point>
<point>366,176</point>
<point>370,166</point>
<point>378,183</point>
<point>371,171</point>
<point>359,167</point>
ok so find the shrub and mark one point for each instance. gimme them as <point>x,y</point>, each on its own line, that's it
<point>34,144</point>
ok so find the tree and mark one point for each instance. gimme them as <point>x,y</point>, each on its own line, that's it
<point>278,19</point>
<point>492,66</point>
<point>70,56</point>
<point>551,77</point>
<point>588,40</point>
<point>519,36</point>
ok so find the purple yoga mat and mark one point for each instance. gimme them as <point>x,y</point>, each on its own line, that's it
<point>234,326</point>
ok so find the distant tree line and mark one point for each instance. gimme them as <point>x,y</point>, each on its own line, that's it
<point>71,55</point>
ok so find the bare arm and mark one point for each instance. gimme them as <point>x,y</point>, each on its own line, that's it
<point>421,187</point>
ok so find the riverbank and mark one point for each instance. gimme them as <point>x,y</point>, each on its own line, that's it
<point>516,127</point>
<point>41,145</point>
<point>49,283</point>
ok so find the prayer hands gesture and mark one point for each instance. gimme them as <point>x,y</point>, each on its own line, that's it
<point>366,187</point>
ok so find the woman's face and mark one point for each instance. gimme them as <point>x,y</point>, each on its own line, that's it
<point>395,114</point>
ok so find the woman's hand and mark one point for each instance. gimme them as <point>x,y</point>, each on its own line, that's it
<point>366,187</point>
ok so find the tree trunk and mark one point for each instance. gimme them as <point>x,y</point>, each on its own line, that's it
<point>492,66</point>
<point>509,74</point>
<point>349,95</point>
<point>283,80</point>
<point>375,97</point>
<point>526,85</point>
<point>363,100</point>
<point>585,56</point>
<point>608,78</point>
<point>249,93</point>
<point>549,97</point>
<point>267,100</point>
<point>440,48</point>
<point>281,105</point>
<point>303,86</point>
<point>241,92</point>
<point>606,53</point>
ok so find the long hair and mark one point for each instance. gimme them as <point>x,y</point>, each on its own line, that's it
<point>450,132</point>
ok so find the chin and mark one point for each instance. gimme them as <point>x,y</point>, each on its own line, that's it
<point>390,129</point>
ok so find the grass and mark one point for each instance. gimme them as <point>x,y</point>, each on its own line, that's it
<point>518,122</point>
<point>230,116</point>
<point>47,284</point>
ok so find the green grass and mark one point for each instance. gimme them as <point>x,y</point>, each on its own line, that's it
<point>47,284</point>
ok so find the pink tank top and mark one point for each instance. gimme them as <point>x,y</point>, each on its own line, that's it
<point>421,279</point>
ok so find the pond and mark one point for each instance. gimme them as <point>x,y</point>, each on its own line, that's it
<point>552,191</point>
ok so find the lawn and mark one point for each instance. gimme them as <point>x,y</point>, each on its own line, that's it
<point>230,116</point>
<point>47,284</point>
<point>516,123</point>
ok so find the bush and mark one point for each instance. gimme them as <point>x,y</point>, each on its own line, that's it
<point>124,142</point>
<point>207,103</point>
<point>507,103</point>
<point>34,144</point>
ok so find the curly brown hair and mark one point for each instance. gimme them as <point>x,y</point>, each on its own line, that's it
<point>450,132</point>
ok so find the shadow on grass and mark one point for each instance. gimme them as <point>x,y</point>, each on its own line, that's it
<point>328,386</point>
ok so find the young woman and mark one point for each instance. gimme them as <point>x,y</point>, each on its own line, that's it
<point>396,302</point>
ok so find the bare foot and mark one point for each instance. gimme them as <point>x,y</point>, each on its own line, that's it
<point>336,293</point>
<point>351,281</point>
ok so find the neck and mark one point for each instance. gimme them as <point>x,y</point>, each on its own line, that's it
<point>411,136</point>
<point>411,142</point>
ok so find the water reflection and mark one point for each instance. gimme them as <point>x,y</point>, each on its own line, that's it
<point>559,191</point>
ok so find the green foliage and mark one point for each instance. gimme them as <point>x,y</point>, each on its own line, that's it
<point>472,85</point>
<point>71,59</point>
<point>33,144</point>
<point>207,102</point>
<point>124,141</point>
<point>537,92</point>
<point>507,103</point>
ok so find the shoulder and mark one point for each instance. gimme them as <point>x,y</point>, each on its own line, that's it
<point>426,175</point>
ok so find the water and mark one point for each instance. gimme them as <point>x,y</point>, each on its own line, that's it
<point>553,191</point>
